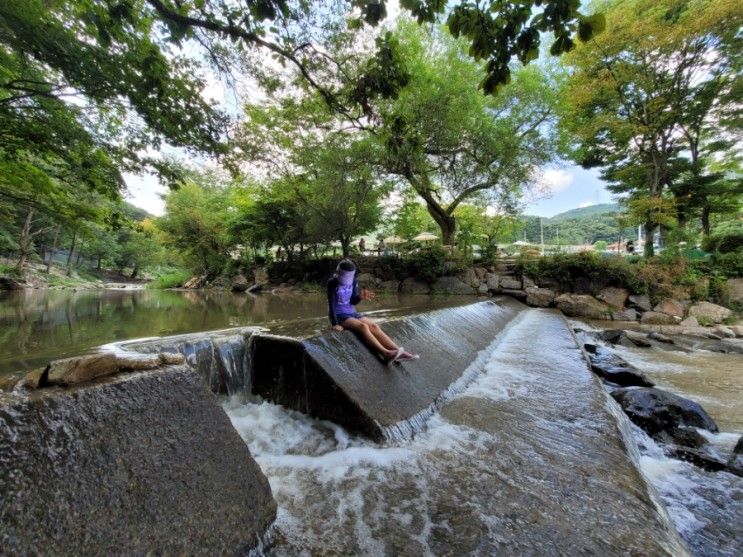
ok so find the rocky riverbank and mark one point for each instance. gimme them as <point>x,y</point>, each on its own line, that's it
<point>594,299</point>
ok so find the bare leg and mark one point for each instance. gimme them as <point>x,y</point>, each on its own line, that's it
<point>379,334</point>
<point>369,339</point>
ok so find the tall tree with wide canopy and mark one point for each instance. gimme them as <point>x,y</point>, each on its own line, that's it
<point>645,99</point>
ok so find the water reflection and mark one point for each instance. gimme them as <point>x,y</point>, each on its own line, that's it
<point>39,325</point>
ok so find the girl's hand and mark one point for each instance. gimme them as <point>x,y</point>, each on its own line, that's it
<point>337,328</point>
<point>367,294</point>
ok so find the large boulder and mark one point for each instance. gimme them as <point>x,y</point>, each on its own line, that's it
<point>492,281</point>
<point>627,314</point>
<point>540,297</point>
<point>640,301</point>
<point>510,283</point>
<point>366,280</point>
<point>389,285</point>
<point>239,283</point>
<point>670,307</point>
<point>661,413</point>
<point>414,286</point>
<point>451,285</point>
<point>260,276</point>
<point>712,312</point>
<point>614,369</point>
<point>615,297</point>
<point>469,276</point>
<point>582,305</point>
<point>657,318</point>
<point>142,463</point>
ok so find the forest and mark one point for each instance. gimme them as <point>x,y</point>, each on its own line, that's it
<point>358,119</point>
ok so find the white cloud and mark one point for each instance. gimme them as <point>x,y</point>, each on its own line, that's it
<point>144,191</point>
<point>555,179</point>
<point>586,204</point>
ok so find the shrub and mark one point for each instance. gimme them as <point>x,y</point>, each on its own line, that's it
<point>728,241</point>
<point>428,264</point>
<point>172,279</point>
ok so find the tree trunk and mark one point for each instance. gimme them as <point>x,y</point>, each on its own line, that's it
<point>72,251</point>
<point>25,241</point>
<point>705,220</point>
<point>100,260</point>
<point>53,252</point>
<point>345,246</point>
<point>135,271</point>
<point>649,230</point>
<point>447,224</point>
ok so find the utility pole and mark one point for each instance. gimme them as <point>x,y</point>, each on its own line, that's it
<point>541,233</point>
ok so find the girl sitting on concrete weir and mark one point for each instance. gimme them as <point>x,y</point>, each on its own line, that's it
<point>343,295</point>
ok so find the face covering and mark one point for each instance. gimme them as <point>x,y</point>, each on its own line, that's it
<point>345,277</point>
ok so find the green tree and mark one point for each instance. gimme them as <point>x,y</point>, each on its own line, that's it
<point>196,223</point>
<point>638,96</point>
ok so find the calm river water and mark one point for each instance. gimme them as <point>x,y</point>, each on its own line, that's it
<point>40,325</point>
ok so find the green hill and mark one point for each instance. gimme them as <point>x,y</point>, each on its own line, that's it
<point>582,225</point>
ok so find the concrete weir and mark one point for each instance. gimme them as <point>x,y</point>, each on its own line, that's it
<point>131,464</point>
<point>335,377</point>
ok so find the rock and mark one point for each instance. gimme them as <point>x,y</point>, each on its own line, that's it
<point>389,285</point>
<point>690,321</point>
<point>34,379</point>
<point>414,286</point>
<point>670,307</point>
<point>491,280</point>
<point>735,462</point>
<point>470,277</point>
<point>661,413</point>
<point>195,282</point>
<point>528,283</point>
<point>260,276</point>
<point>254,288</point>
<point>724,332</point>
<point>713,312</point>
<point>518,294</point>
<point>480,272</point>
<point>582,305</point>
<point>656,318</point>
<point>139,464</point>
<point>172,358</point>
<point>8,382</point>
<point>698,457</point>
<point>613,336</point>
<point>615,297</point>
<point>366,280</point>
<point>660,337</point>
<point>239,283</point>
<point>737,330</point>
<point>136,361</point>
<point>72,371</point>
<point>451,285</point>
<point>629,314</point>
<point>510,283</point>
<point>638,339</point>
<point>734,288</point>
<point>540,297</point>
<point>611,367</point>
<point>482,289</point>
<point>641,302</point>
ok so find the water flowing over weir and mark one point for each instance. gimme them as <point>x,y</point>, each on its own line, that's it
<point>498,441</point>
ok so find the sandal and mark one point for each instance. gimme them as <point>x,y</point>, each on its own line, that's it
<point>400,351</point>
<point>407,357</point>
